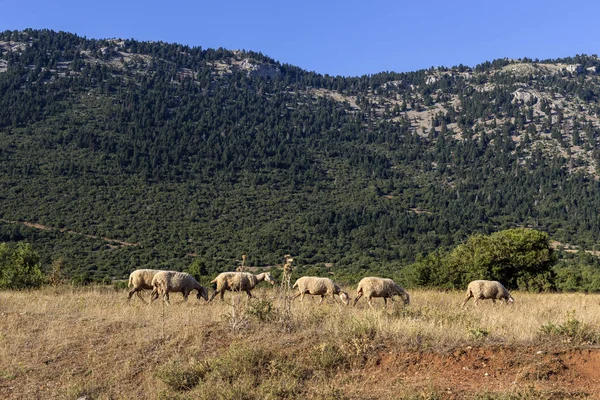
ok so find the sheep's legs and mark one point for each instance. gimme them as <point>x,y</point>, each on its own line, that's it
<point>221,294</point>
<point>333,297</point>
<point>339,297</point>
<point>357,297</point>
<point>467,299</point>
<point>139,294</point>
<point>214,294</point>
<point>153,296</point>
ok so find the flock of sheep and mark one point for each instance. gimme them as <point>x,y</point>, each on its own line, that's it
<point>165,282</point>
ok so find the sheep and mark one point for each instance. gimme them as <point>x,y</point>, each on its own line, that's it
<point>482,290</point>
<point>237,282</point>
<point>319,287</point>
<point>140,279</point>
<point>165,282</point>
<point>380,287</point>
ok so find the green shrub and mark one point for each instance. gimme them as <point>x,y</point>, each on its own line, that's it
<point>240,361</point>
<point>181,377</point>
<point>120,285</point>
<point>82,279</point>
<point>199,271</point>
<point>262,310</point>
<point>517,257</point>
<point>478,333</point>
<point>578,273</point>
<point>329,358</point>
<point>254,373</point>
<point>20,267</point>
<point>571,331</point>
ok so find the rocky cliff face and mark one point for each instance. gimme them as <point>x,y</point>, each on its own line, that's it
<point>259,70</point>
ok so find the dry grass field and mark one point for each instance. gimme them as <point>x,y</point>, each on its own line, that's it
<point>90,343</point>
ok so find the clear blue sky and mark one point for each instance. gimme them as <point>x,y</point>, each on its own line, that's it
<point>334,37</point>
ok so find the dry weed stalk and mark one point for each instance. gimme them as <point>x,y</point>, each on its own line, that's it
<point>236,318</point>
<point>285,298</point>
<point>242,267</point>
<point>56,276</point>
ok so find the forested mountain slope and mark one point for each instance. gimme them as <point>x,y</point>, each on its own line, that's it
<point>133,154</point>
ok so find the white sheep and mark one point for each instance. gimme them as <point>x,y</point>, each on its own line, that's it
<point>140,279</point>
<point>238,282</point>
<point>482,290</point>
<point>165,282</point>
<point>380,287</point>
<point>319,287</point>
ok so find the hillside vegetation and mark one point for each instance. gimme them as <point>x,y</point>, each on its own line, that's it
<point>119,154</point>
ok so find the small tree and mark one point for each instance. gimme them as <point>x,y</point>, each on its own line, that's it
<point>198,270</point>
<point>20,267</point>
<point>519,258</point>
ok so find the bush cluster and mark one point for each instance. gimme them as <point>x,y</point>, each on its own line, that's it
<point>20,267</point>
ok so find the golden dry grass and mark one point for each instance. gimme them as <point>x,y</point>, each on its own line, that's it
<point>71,342</point>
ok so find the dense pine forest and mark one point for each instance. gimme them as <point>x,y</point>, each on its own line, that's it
<point>120,154</point>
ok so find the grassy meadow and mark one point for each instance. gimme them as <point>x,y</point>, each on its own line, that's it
<point>70,342</point>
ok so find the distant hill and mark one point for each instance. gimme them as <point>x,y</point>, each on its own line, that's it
<point>135,154</point>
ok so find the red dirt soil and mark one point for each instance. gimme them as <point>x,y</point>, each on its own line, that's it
<point>551,374</point>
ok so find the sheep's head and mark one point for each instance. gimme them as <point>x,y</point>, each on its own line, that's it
<point>202,293</point>
<point>269,278</point>
<point>406,299</point>
<point>345,298</point>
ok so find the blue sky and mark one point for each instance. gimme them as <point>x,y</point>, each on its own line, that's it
<point>348,38</point>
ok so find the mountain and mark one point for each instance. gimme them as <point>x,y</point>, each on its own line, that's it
<point>120,154</point>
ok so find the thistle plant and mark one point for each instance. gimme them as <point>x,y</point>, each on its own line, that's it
<point>285,294</point>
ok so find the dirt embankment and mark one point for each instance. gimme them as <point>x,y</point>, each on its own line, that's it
<point>461,373</point>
